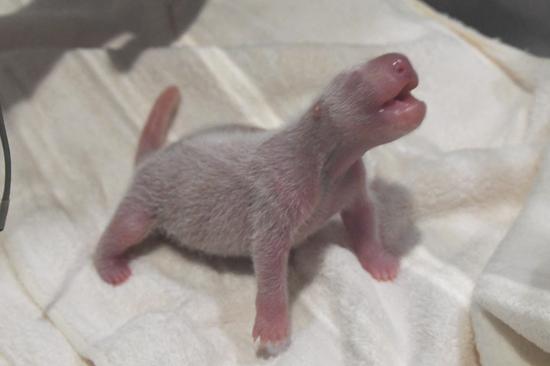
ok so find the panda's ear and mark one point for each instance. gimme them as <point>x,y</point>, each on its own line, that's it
<point>317,110</point>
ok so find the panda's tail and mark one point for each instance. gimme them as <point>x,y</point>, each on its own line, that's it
<point>158,123</point>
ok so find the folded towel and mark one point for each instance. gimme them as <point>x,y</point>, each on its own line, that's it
<point>463,198</point>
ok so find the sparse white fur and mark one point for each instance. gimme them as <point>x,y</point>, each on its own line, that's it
<point>238,191</point>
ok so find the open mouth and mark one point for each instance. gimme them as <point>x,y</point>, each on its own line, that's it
<point>403,108</point>
<point>402,100</point>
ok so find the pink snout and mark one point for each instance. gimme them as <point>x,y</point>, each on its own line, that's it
<point>397,71</point>
<point>392,78</point>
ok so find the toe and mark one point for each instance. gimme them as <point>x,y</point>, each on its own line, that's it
<point>115,273</point>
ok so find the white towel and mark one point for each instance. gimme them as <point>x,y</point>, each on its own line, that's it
<point>468,189</point>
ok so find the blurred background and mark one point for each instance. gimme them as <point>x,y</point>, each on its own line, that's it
<point>522,23</point>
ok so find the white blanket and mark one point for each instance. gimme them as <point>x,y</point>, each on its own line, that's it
<point>465,198</point>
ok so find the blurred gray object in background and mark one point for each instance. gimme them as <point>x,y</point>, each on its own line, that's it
<point>522,23</point>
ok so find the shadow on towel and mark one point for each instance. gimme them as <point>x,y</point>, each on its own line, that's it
<point>57,25</point>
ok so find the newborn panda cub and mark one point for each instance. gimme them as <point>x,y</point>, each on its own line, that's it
<point>240,191</point>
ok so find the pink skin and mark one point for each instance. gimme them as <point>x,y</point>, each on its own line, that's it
<point>360,222</point>
<point>238,191</point>
<point>159,122</point>
<point>131,224</point>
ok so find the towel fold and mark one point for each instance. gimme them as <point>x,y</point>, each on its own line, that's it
<point>464,198</point>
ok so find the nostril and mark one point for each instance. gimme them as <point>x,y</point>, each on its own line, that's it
<point>399,66</point>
